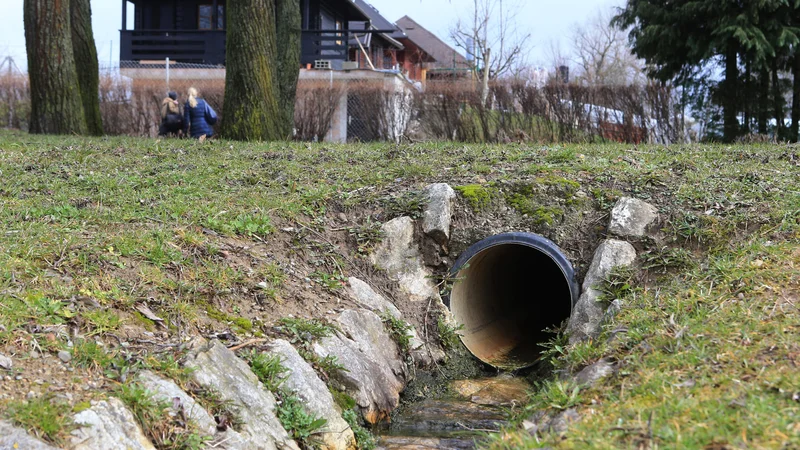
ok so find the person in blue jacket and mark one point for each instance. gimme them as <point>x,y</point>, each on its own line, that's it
<point>198,116</point>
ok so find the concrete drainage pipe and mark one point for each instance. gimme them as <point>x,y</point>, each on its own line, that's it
<point>509,287</point>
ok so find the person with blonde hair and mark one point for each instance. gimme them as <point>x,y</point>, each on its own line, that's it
<point>198,116</point>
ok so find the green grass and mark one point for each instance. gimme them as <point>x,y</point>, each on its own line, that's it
<point>707,357</point>
<point>47,417</point>
<point>268,369</point>
<point>399,330</point>
<point>116,221</point>
<point>300,424</point>
<point>303,331</point>
<point>164,431</point>
<point>364,438</point>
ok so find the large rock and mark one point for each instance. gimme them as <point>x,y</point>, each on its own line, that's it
<point>375,391</point>
<point>558,423</point>
<point>590,375</point>
<point>631,217</point>
<point>317,399</point>
<point>438,212</point>
<point>366,329</point>
<point>587,316</point>
<point>6,362</point>
<point>563,420</point>
<point>166,390</point>
<point>12,437</point>
<point>398,254</point>
<point>218,369</point>
<point>108,424</point>
<point>366,297</point>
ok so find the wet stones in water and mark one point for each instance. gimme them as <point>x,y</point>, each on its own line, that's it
<point>456,423</point>
<point>425,443</point>
<point>499,391</point>
<point>444,417</point>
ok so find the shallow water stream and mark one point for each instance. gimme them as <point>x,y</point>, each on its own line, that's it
<point>473,408</point>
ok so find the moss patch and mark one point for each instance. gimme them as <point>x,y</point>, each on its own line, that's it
<point>241,323</point>
<point>478,196</point>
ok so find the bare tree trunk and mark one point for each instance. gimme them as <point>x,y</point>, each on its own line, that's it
<point>252,97</point>
<point>288,26</point>
<point>56,105</point>
<point>85,54</point>
<point>485,82</point>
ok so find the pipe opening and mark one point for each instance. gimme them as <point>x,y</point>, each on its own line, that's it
<point>511,287</point>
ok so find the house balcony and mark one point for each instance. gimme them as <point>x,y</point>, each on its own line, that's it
<point>207,47</point>
<point>328,45</point>
<point>187,46</point>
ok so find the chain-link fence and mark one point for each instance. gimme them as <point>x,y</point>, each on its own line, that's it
<point>131,93</point>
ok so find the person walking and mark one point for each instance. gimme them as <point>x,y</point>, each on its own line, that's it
<point>171,118</point>
<point>198,116</point>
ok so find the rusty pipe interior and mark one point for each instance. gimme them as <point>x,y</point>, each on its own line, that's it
<point>509,288</point>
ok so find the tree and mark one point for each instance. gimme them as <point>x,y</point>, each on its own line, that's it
<point>56,103</point>
<point>675,36</point>
<point>262,68</point>
<point>602,53</point>
<point>85,54</point>
<point>62,66</point>
<point>491,36</point>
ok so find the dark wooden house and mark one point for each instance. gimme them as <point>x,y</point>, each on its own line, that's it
<point>193,31</point>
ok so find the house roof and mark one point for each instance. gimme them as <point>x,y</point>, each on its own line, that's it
<point>354,11</point>
<point>445,55</point>
<point>377,22</point>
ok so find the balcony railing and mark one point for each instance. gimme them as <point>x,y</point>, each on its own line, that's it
<point>195,46</point>
<point>323,44</point>
<point>208,46</point>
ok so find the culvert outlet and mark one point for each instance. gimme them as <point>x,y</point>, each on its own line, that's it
<point>508,289</point>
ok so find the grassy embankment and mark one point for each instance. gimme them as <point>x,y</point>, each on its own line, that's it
<point>94,228</point>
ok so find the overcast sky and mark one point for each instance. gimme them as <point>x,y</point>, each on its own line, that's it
<point>545,20</point>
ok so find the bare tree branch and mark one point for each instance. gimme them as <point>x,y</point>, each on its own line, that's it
<point>602,54</point>
<point>491,29</point>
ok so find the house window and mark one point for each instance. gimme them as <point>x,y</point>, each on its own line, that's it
<point>205,17</point>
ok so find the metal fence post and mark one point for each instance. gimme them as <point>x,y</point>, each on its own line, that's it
<point>167,66</point>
